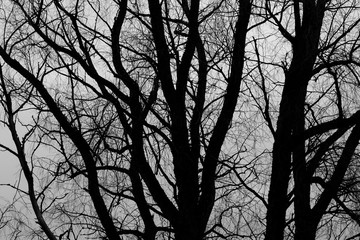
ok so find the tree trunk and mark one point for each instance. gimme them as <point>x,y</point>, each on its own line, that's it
<point>305,229</point>
<point>289,148</point>
<point>188,228</point>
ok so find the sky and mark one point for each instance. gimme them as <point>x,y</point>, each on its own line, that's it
<point>9,167</point>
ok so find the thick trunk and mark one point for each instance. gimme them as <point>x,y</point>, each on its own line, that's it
<point>305,229</point>
<point>289,124</point>
<point>277,200</point>
<point>188,228</point>
<point>289,145</point>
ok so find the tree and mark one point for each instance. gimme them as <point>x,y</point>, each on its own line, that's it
<point>137,100</point>
<point>317,133</point>
<point>152,120</point>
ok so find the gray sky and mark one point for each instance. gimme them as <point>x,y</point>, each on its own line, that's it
<point>9,166</point>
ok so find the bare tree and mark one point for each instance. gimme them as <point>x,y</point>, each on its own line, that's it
<point>317,130</point>
<point>184,119</point>
<point>136,99</point>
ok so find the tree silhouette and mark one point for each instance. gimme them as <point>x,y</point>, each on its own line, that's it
<point>182,119</point>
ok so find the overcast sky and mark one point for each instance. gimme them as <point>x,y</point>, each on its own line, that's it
<point>9,166</point>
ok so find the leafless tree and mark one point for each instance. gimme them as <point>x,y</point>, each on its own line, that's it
<point>135,100</point>
<point>317,131</point>
<point>175,119</point>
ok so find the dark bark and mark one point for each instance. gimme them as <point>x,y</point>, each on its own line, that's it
<point>21,155</point>
<point>165,132</point>
<point>195,210</point>
<point>289,146</point>
<point>207,197</point>
<point>79,142</point>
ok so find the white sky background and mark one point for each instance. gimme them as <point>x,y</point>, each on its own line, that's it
<point>9,174</point>
<point>9,167</point>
